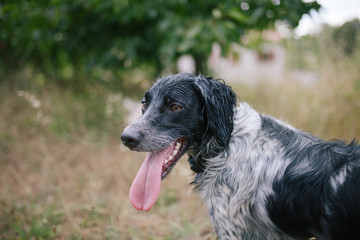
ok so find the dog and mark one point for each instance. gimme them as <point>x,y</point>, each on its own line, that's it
<point>259,177</point>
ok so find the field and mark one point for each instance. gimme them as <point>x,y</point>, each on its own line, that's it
<point>65,175</point>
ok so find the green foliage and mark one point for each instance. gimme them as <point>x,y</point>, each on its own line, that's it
<point>69,39</point>
<point>347,36</point>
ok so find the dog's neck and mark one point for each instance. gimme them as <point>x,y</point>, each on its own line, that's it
<point>246,122</point>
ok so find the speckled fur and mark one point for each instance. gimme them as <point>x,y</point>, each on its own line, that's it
<point>241,185</point>
<point>259,177</point>
<point>237,182</point>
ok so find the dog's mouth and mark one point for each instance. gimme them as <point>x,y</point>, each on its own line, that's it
<point>178,149</point>
<point>145,189</point>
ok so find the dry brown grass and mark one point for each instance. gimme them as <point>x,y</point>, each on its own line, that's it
<point>56,188</point>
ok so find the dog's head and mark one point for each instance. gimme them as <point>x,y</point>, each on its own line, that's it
<point>180,112</point>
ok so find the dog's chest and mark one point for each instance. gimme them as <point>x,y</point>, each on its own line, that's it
<point>236,199</point>
<point>219,199</point>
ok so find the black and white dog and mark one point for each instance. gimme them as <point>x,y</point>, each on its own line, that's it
<point>260,178</point>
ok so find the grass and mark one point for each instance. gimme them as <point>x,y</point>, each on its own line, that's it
<point>62,177</point>
<point>64,174</point>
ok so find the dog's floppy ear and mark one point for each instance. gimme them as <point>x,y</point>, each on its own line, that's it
<point>219,103</point>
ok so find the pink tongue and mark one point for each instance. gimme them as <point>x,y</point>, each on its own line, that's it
<point>145,189</point>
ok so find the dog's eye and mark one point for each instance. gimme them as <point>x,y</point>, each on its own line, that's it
<point>175,108</point>
<point>143,106</point>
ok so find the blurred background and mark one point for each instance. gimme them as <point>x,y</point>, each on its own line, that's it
<point>72,74</point>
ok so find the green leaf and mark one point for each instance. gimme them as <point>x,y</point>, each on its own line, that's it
<point>236,15</point>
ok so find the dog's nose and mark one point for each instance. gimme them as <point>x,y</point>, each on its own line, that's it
<point>131,139</point>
